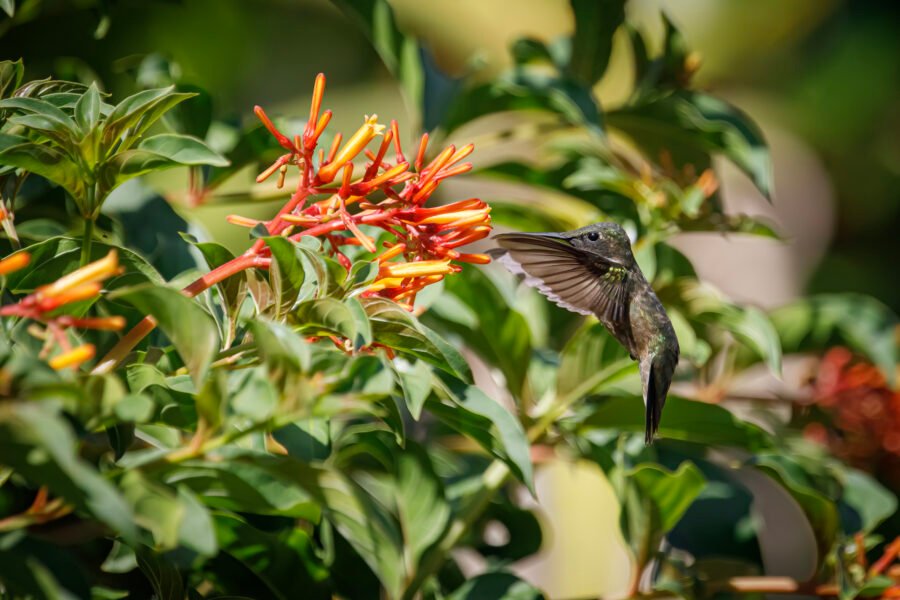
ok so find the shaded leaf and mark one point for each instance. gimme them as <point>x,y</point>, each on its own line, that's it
<point>396,328</point>
<point>498,585</point>
<point>39,446</point>
<point>475,415</point>
<point>595,23</point>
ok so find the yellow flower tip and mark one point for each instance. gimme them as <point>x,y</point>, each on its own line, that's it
<point>356,144</point>
<point>14,262</point>
<point>92,272</point>
<point>73,357</point>
<point>389,174</point>
<point>243,221</point>
<point>385,283</point>
<point>299,219</point>
<point>416,269</point>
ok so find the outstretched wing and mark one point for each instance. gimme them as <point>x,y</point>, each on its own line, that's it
<point>576,280</point>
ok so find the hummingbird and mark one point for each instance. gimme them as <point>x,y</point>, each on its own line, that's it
<point>592,271</point>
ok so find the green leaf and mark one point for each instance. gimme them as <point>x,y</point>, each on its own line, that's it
<point>134,115</point>
<point>820,510</point>
<point>692,125</point>
<point>400,53</point>
<point>38,444</point>
<point>497,585</point>
<point>191,329</point>
<point>863,323</point>
<point>595,23</point>
<point>55,120</point>
<point>652,501</point>
<point>46,162</point>
<point>232,289</point>
<point>11,72</point>
<point>869,500</point>
<point>592,361</point>
<point>416,383</point>
<point>249,483</point>
<point>182,149</point>
<point>686,420</point>
<point>498,333</point>
<point>365,523</point>
<point>749,325</point>
<point>87,109</point>
<point>474,414</point>
<point>325,316</point>
<point>286,274</point>
<point>280,346</point>
<point>422,510</point>
<point>527,90</point>
<point>364,335</point>
<point>670,493</point>
<point>397,329</point>
<point>283,563</point>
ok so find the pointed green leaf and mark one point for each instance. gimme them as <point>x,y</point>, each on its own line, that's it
<point>191,329</point>
<point>286,274</point>
<point>396,328</point>
<point>474,414</point>
<point>87,109</point>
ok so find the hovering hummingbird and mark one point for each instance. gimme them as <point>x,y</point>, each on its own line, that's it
<point>592,271</point>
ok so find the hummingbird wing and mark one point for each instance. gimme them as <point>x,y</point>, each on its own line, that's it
<point>579,281</point>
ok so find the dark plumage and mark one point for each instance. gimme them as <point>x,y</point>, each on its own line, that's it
<point>592,271</point>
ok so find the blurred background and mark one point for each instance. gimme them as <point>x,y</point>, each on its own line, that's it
<point>821,77</point>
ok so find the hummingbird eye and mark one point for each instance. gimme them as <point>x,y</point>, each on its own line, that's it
<point>593,236</point>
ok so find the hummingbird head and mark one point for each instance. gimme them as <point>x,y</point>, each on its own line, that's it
<point>604,239</point>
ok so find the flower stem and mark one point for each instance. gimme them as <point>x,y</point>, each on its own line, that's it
<point>87,240</point>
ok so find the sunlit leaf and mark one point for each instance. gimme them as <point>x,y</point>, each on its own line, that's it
<point>190,328</point>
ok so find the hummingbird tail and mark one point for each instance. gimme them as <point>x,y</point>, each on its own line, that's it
<point>656,387</point>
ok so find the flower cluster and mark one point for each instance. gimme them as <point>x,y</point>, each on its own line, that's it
<point>864,414</point>
<point>387,193</point>
<point>47,305</point>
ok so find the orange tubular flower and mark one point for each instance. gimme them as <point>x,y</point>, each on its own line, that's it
<point>14,262</point>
